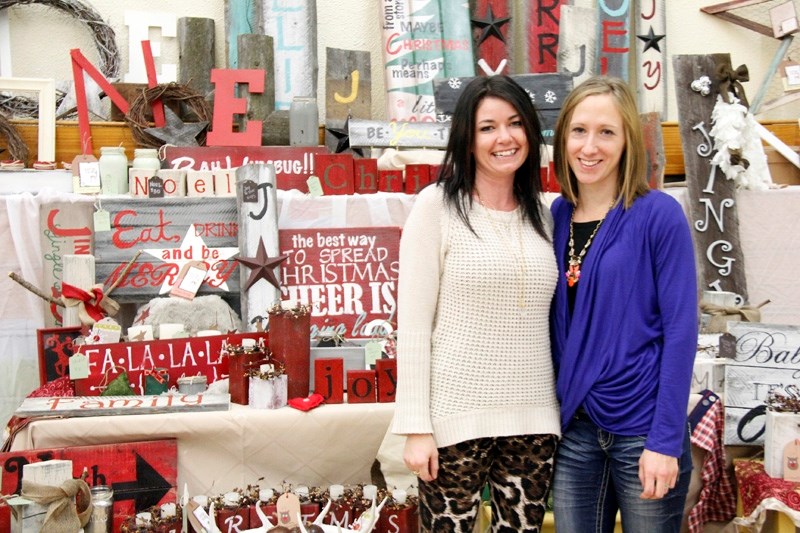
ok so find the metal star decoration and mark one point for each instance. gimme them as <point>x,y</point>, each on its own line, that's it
<point>343,138</point>
<point>262,266</point>
<point>651,40</point>
<point>490,25</point>
<point>176,131</point>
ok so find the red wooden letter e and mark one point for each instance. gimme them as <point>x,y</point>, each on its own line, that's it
<point>226,105</point>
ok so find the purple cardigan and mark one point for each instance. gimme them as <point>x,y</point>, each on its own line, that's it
<point>626,354</point>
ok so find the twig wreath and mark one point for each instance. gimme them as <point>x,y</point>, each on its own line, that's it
<point>17,149</point>
<point>103,38</point>
<point>168,93</point>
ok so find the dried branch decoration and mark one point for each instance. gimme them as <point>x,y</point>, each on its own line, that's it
<point>103,37</point>
<point>17,149</point>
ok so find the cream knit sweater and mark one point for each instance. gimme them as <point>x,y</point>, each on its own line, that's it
<point>471,361</point>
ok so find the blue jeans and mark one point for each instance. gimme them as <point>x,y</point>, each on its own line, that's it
<point>597,474</point>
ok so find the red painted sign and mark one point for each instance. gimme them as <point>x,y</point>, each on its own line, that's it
<point>181,357</point>
<point>142,474</point>
<point>348,276</point>
<point>293,164</point>
<point>543,24</point>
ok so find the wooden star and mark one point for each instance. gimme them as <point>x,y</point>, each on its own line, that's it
<point>343,139</point>
<point>651,40</point>
<point>490,25</point>
<point>262,266</point>
<point>176,131</point>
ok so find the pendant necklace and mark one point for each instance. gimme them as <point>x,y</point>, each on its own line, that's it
<point>573,273</point>
<point>519,258</point>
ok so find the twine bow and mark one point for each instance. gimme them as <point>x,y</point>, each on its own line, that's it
<point>92,306</point>
<point>730,82</point>
<point>721,314</point>
<point>62,515</point>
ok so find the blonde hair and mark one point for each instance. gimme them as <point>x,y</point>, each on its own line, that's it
<point>632,179</point>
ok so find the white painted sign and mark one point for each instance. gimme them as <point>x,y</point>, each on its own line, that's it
<point>122,405</point>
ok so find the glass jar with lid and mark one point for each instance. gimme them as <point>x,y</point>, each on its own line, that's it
<point>113,170</point>
<point>146,158</point>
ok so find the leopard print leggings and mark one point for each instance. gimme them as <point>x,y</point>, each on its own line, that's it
<point>518,470</point>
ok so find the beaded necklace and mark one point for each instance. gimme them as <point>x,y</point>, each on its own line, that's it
<point>573,273</point>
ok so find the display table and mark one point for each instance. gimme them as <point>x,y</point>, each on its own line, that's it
<point>222,450</point>
<point>759,493</point>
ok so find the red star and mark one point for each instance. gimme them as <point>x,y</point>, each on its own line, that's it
<point>261,266</point>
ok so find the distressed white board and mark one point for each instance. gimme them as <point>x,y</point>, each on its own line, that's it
<point>377,134</point>
<point>767,357</point>
<point>293,26</point>
<point>123,405</point>
<point>400,74</point>
<point>577,42</point>
<point>257,220</point>
<point>139,24</point>
<point>614,38</point>
<point>651,56</point>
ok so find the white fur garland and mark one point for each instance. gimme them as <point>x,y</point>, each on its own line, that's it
<point>734,133</point>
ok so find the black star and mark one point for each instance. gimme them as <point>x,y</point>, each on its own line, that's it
<point>176,131</point>
<point>343,138</point>
<point>490,25</point>
<point>261,266</point>
<point>651,40</point>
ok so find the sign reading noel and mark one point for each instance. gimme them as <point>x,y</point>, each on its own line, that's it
<point>347,276</point>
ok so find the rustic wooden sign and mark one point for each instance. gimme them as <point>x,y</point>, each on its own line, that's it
<point>181,357</point>
<point>654,148</point>
<point>293,164</point>
<point>543,20</point>
<point>400,73</point>
<point>141,474</point>
<point>196,40</point>
<point>257,204</point>
<point>577,42</point>
<point>122,405</point>
<point>613,38</point>
<point>293,26</point>
<point>493,34</point>
<point>348,276</point>
<point>456,39</point>
<point>348,84</point>
<point>547,92</point>
<point>377,134</point>
<point>767,357</point>
<point>65,228</point>
<point>170,232</point>
<point>712,197</point>
<point>257,52</point>
<point>651,56</point>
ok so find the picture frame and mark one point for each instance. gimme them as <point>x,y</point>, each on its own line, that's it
<point>46,95</point>
<point>55,348</point>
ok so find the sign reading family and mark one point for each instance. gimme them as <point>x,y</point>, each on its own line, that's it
<point>347,276</point>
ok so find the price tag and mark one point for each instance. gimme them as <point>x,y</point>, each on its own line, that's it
<point>89,174</point>
<point>249,192</point>
<point>314,186</point>
<point>190,278</point>
<point>78,366</point>
<point>102,220</point>
<point>155,187</point>
<point>372,352</point>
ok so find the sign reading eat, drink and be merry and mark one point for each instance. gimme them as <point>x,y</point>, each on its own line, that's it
<point>348,276</point>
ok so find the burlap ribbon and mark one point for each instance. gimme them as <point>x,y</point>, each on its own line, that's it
<point>730,82</point>
<point>62,513</point>
<point>721,314</point>
<point>92,306</point>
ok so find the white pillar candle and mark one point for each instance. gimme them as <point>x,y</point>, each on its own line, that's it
<point>201,500</point>
<point>168,510</point>
<point>301,491</point>
<point>143,519</point>
<point>336,491</point>
<point>140,333</point>
<point>265,495</point>
<point>232,499</point>
<point>170,331</point>
<point>208,333</point>
<point>248,343</point>
<point>399,496</point>
<point>370,492</point>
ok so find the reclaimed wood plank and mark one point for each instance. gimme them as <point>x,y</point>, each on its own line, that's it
<point>614,38</point>
<point>651,56</point>
<point>257,52</point>
<point>196,53</point>
<point>542,33</point>
<point>577,42</point>
<point>348,84</point>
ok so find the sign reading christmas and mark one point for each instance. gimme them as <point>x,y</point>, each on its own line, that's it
<point>348,276</point>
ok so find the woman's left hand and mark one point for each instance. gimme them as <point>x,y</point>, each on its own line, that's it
<point>658,474</point>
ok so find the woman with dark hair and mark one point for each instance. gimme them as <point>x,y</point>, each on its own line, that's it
<point>624,323</point>
<point>476,392</point>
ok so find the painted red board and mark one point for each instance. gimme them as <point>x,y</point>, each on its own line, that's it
<point>402,519</point>
<point>493,49</point>
<point>189,356</point>
<point>390,181</point>
<point>226,105</point>
<point>365,175</point>
<point>142,474</point>
<point>361,386</point>
<point>335,172</point>
<point>386,370</point>
<point>542,34</point>
<point>293,164</point>
<point>347,275</point>
<point>416,177</point>
<point>329,379</point>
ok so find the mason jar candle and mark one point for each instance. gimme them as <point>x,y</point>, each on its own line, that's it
<point>146,158</point>
<point>113,170</point>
